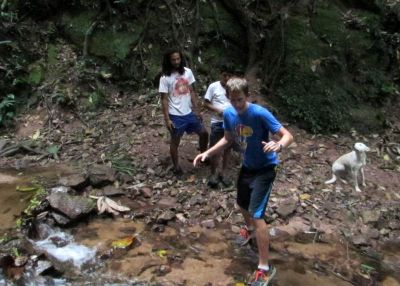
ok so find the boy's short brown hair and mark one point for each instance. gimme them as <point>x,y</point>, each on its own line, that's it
<point>237,84</point>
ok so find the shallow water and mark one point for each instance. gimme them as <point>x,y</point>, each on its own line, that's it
<point>192,255</point>
<point>180,255</point>
<point>72,252</point>
<point>13,202</point>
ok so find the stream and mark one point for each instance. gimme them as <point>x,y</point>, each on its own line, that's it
<point>90,251</point>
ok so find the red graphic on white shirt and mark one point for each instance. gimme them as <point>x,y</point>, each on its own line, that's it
<point>181,87</point>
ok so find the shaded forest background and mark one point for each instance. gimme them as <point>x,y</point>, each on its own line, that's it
<point>325,65</point>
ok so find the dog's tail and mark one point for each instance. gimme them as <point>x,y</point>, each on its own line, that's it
<point>331,181</point>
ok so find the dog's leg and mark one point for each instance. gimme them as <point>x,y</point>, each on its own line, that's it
<point>354,172</point>
<point>331,181</point>
<point>362,176</point>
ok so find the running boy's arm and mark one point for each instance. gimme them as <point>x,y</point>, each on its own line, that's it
<point>222,144</point>
<point>285,140</point>
<point>164,106</point>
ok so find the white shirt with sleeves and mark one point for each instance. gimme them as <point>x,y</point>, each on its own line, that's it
<point>177,86</point>
<point>216,94</point>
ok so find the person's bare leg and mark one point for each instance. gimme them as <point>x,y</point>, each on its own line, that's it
<point>173,148</point>
<point>247,218</point>
<point>262,237</point>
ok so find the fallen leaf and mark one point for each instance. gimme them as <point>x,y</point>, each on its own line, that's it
<point>304,197</point>
<point>161,253</point>
<point>36,135</point>
<point>124,242</point>
<point>191,179</point>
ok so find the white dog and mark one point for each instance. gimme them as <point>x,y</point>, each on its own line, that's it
<point>350,164</point>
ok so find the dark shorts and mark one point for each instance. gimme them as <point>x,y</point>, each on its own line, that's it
<point>187,123</point>
<point>254,188</point>
<point>217,132</point>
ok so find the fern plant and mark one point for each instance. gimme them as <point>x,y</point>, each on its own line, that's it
<point>7,108</point>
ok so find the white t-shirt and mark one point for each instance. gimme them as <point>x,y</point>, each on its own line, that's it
<point>216,94</point>
<point>177,87</point>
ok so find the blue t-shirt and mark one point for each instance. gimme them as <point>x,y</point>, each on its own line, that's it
<point>249,130</point>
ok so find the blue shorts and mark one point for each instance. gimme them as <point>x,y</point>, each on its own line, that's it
<point>187,123</point>
<point>254,188</point>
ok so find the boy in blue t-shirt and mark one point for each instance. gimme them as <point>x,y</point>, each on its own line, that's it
<point>249,126</point>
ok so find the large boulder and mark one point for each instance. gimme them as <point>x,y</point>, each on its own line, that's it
<point>72,206</point>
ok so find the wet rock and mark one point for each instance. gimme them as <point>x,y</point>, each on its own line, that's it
<point>112,191</point>
<point>60,218</point>
<point>277,234</point>
<point>59,241</point>
<point>209,223</point>
<point>20,261</point>
<point>41,230</point>
<point>307,237</point>
<point>369,216</point>
<point>77,181</point>
<point>71,206</point>
<point>101,175</point>
<point>41,266</point>
<point>165,216</point>
<point>286,207</point>
<point>60,189</point>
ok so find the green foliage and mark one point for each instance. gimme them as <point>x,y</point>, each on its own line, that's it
<point>36,200</point>
<point>314,102</point>
<point>123,164</point>
<point>96,98</point>
<point>7,108</point>
<point>36,74</point>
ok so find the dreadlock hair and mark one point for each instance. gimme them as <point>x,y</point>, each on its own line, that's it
<point>166,64</point>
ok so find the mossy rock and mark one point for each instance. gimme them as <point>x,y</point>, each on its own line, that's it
<point>113,44</point>
<point>36,73</point>
<point>76,26</point>
<point>220,21</point>
<point>52,52</point>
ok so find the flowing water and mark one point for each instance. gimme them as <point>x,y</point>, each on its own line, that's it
<point>179,255</point>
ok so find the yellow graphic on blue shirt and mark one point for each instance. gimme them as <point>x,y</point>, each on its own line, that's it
<point>242,132</point>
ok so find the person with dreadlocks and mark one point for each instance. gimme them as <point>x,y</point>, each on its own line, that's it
<point>179,104</point>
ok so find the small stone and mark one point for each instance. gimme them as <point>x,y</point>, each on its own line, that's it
<point>146,192</point>
<point>209,223</point>
<point>370,216</point>
<point>286,207</point>
<point>359,239</point>
<point>384,231</point>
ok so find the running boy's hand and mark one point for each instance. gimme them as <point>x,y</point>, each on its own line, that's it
<point>202,157</point>
<point>271,146</point>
